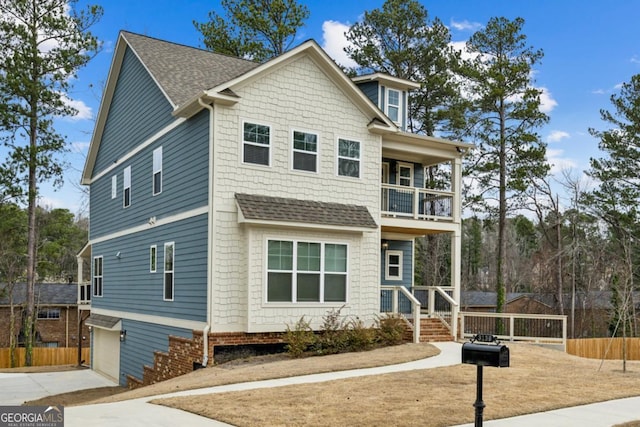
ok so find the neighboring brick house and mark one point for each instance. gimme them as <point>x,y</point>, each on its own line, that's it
<point>57,315</point>
<point>231,198</point>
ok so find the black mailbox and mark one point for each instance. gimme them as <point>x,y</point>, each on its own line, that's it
<point>485,354</point>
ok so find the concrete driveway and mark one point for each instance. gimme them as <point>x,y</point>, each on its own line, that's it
<point>21,387</point>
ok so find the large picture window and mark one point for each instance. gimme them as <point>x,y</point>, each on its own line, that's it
<point>256,142</point>
<point>349,158</point>
<point>169,258</point>
<point>300,272</point>
<point>305,151</point>
<point>97,276</point>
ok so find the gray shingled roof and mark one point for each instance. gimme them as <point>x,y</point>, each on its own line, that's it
<point>266,208</point>
<point>183,72</point>
<point>102,321</point>
<point>46,294</point>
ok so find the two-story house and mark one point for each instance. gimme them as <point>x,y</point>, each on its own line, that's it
<point>230,198</point>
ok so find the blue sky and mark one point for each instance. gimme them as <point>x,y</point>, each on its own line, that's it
<point>590,48</point>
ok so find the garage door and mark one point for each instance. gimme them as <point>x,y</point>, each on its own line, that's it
<point>106,353</point>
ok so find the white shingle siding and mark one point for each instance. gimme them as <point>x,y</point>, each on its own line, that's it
<point>295,96</point>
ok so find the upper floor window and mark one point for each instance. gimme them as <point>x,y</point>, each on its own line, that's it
<point>114,186</point>
<point>256,143</point>
<point>305,151</point>
<point>169,253</point>
<point>306,271</point>
<point>97,276</point>
<point>405,174</point>
<point>349,158</point>
<point>126,194</point>
<point>393,105</point>
<point>157,171</point>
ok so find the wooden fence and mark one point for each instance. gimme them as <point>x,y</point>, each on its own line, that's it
<point>604,348</point>
<point>45,356</point>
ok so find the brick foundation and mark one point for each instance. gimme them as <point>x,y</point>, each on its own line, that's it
<point>184,353</point>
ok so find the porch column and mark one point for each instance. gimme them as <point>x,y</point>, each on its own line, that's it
<point>456,188</point>
<point>456,257</point>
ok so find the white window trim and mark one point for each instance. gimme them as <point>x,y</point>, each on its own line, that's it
<point>398,105</point>
<point>153,258</point>
<point>293,150</point>
<point>126,185</point>
<point>49,310</point>
<point>339,157</point>
<point>172,271</point>
<point>295,270</point>
<point>401,165</point>
<point>387,275</point>
<point>114,186</point>
<point>95,276</point>
<point>157,168</point>
<point>255,122</point>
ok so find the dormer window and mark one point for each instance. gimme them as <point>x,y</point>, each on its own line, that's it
<point>393,105</point>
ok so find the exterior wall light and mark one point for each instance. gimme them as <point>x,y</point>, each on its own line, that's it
<point>385,245</point>
<point>123,335</point>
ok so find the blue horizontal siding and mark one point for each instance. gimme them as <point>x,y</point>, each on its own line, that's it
<point>185,174</point>
<point>128,285</point>
<point>138,110</point>
<point>141,341</point>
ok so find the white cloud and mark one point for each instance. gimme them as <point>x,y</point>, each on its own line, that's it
<point>557,136</point>
<point>558,162</point>
<point>334,42</point>
<point>465,25</point>
<point>547,103</point>
<point>84,112</point>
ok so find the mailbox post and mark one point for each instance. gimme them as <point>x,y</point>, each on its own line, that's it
<point>484,350</point>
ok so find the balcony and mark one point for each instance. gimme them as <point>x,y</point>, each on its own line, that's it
<point>416,203</point>
<point>417,211</point>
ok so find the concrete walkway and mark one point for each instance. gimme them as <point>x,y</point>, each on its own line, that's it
<point>140,413</point>
<point>15,389</point>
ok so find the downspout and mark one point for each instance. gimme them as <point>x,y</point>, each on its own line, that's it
<point>210,246</point>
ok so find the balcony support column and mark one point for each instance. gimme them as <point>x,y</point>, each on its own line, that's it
<point>456,254</point>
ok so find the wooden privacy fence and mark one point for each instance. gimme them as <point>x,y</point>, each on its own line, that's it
<point>604,348</point>
<point>45,356</point>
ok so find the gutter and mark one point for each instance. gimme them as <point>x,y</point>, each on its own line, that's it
<point>211,226</point>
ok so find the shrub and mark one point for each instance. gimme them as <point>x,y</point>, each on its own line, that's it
<point>360,337</point>
<point>300,338</point>
<point>333,337</point>
<point>390,329</point>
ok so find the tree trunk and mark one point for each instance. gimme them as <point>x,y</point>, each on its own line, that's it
<point>29,321</point>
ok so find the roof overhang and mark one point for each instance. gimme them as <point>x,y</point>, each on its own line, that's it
<point>387,80</point>
<point>102,321</point>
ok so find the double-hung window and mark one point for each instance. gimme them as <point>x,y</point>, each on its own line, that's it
<point>394,265</point>
<point>348,158</point>
<point>256,143</point>
<point>157,171</point>
<point>393,105</point>
<point>405,175</point>
<point>169,258</point>
<point>97,276</point>
<point>126,194</point>
<point>300,272</point>
<point>50,313</point>
<point>305,151</point>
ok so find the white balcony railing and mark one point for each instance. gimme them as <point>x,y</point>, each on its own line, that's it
<point>416,203</point>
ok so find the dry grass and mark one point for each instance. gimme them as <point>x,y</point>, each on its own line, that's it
<point>256,369</point>
<point>539,379</point>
